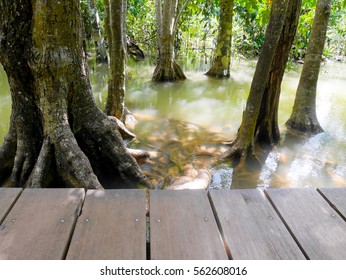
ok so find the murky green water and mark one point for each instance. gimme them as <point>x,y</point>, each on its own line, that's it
<point>185,123</point>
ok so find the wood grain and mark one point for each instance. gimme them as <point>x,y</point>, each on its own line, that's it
<point>182,226</point>
<point>251,227</point>
<point>112,226</point>
<point>320,231</point>
<point>40,224</point>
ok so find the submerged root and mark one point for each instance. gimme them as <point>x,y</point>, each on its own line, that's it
<point>193,179</point>
<point>303,129</point>
<point>163,73</point>
<point>241,154</point>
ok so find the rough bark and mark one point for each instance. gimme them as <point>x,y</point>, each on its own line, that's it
<point>243,146</point>
<point>97,36</point>
<point>117,52</point>
<point>267,132</point>
<point>21,146</point>
<point>220,67</point>
<point>56,129</point>
<point>303,120</point>
<point>167,69</point>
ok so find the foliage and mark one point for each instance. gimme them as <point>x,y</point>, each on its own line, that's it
<point>141,24</point>
<point>198,23</point>
<point>86,19</point>
<point>336,35</point>
<point>250,19</point>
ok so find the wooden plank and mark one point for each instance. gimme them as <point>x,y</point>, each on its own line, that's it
<point>182,226</point>
<point>251,227</point>
<point>40,224</point>
<point>7,197</point>
<point>320,231</point>
<point>112,226</point>
<point>337,198</point>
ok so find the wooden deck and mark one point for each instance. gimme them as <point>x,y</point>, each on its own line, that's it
<point>186,224</point>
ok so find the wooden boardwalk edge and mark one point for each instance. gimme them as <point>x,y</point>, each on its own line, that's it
<point>314,219</point>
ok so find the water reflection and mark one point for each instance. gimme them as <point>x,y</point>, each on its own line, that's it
<point>185,124</point>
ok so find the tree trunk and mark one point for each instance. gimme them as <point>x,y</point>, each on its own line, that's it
<point>117,52</point>
<point>21,146</point>
<point>99,42</point>
<point>56,129</point>
<point>303,120</point>
<point>167,68</point>
<point>267,129</point>
<point>222,57</point>
<point>243,146</point>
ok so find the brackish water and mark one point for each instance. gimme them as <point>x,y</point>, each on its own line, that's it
<point>184,125</point>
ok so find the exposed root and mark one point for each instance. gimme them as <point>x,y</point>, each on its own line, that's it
<point>24,162</point>
<point>7,155</point>
<point>42,175</point>
<point>73,165</point>
<point>124,132</point>
<point>139,155</point>
<point>101,141</point>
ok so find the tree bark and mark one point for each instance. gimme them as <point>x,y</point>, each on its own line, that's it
<point>117,51</point>
<point>267,132</point>
<point>220,67</point>
<point>167,68</point>
<point>303,120</point>
<point>242,147</point>
<point>56,129</point>
<point>22,143</point>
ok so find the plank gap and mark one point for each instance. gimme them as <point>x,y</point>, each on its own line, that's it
<point>78,212</point>
<point>2,219</point>
<point>286,225</point>
<point>335,208</point>
<point>147,228</point>
<point>225,243</point>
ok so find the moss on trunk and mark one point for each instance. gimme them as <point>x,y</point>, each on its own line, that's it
<point>243,146</point>
<point>167,69</point>
<point>303,120</point>
<point>220,67</point>
<point>267,131</point>
<point>117,51</point>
